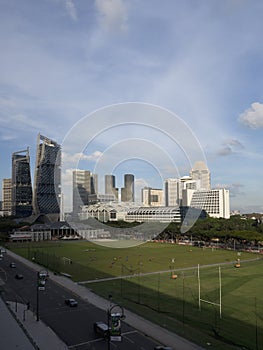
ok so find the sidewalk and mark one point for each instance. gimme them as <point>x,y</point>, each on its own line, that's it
<point>12,335</point>
<point>150,329</point>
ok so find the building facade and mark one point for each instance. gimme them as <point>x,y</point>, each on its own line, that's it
<point>110,187</point>
<point>7,197</point>
<point>214,202</point>
<point>47,182</point>
<point>201,172</point>
<point>127,192</point>
<point>152,197</point>
<point>21,192</point>
<point>171,194</point>
<point>85,187</point>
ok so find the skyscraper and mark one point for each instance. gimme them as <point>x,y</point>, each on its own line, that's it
<point>171,189</point>
<point>21,184</point>
<point>7,197</point>
<point>47,184</point>
<point>85,188</point>
<point>110,186</point>
<point>127,192</point>
<point>201,172</point>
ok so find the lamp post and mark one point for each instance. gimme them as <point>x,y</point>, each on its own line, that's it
<point>114,323</point>
<point>41,282</point>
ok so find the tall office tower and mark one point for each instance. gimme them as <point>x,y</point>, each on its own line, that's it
<point>152,197</point>
<point>85,189</point>
<point>127,192</point>
<point>110,188</point>
<point>7,197</point>
<point>47,184</point>
<point>171,192</point>
<point>201,172</point>
<point>21,184</point>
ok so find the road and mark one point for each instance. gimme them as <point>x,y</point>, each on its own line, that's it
<point>74,326</point>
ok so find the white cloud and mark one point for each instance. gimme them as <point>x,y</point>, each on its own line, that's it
<point>253,117</point>
<point>71,10</point>
<point>112,14</point>
<point>75,158</point>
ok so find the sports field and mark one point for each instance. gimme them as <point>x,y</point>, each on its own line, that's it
<point>145,286</point>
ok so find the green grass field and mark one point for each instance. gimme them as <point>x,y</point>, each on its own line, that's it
<point>172,303</point>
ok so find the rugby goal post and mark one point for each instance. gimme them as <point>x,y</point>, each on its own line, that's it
<point>66,260</point>
<point>208,301</point>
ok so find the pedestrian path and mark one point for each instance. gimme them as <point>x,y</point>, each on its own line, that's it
<point>12,335</point>
<point>42,336</point>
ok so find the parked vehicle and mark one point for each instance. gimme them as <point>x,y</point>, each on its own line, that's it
<point>101,328</point>
<point>71,302</point>
<point>12,264</point>
<point>19,276</point>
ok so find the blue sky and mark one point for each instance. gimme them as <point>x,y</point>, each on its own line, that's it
<point>61,60</point>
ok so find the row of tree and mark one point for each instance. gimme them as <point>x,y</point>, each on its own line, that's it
<point>239,228</point>
<point>242,229</point>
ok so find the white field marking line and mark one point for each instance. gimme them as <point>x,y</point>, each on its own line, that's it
<point>164,271</point>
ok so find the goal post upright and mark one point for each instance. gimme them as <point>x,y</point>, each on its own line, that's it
<point>199,287</point>
<point>220,291</point>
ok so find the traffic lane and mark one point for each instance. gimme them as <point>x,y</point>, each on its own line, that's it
<point>75,324</point>
<point>72,326</point>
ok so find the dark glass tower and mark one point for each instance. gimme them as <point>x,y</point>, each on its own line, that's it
<point>127,192</point>
<point>110,186</point>
<point>21,184</point>
<point>47,184</point>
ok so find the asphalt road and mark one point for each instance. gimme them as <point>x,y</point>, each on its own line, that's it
<point>73,325</point>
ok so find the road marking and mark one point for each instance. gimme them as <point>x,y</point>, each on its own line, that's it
<point>130,332</point>
<point>128,339</point>
<point>87,342</point>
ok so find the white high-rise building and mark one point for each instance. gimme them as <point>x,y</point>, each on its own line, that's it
<point>215,202</point>
<point>171,188</point>
<point>7,197</point>
<point>174,187</point>
<point>201,172</point>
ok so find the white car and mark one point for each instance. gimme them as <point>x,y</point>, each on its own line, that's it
<point>71,302</point>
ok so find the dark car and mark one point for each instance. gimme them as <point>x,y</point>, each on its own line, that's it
<point>160,347</point>
<point>12,264</point>
<point>19,276</point>
<point>71,302</point>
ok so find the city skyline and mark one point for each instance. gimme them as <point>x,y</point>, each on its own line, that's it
<point>63,60</point>
<point>85,190</point>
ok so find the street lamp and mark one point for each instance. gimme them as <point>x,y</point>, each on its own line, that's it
<point>114,323</point>
<point>41,282</point>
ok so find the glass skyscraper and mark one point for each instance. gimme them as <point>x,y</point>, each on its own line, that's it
<point>21,187</point>
<point>47,181</point>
